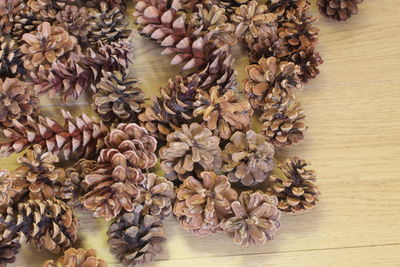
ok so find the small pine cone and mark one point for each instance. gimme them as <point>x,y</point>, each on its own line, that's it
<point>17,101</point>
<point>11,64</point>
<point>248,158</point>
<point>117,98</point>
<point>121,4</point>
<point>77,258</point>
<point>255,220</point>
<point>156,195</point>
<point>7,192</point>
<point>9,237</point>
<point>47,224</point>
<point>231,5</point>
<point>43,9</point>
<point>135,238</point>
<point>192,148</point>
<point>224,113</point>
<point>296,189</point>
<point>25,21</point>
<point>268,74</point>
<point>289,9</point>
<point>201,204</point>
<point>8,10</point>
<point>284,126</point>
<point>107,25</point>
<point>45,45</point>
<point>75,20</point>
<point>339,10</point>
<point>308,60</point>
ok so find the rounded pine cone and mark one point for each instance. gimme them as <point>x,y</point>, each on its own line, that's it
<point>47,224</point>
<point>77,258</point>
<point>75,20</point>
<point>189,149</point>
<point>9,237</point>
<point>296,189</point>
<point>308,60</point>
<point>255,220</point>
<point>11,64</point>
<point>339,10</point>
<point>248,158</point>
<point>201,204</point>
<point>136,239</point>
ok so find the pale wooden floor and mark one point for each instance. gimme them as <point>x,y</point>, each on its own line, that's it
<point>353,142</point>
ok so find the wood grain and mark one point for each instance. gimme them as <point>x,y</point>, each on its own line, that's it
<point>353,142</point>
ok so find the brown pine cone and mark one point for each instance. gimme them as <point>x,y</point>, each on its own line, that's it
<point>77,258</point>
<point>231,5</point>
<point>248,158</point>
<point>45,45</point>
<point>45,10</point>
<point>121,4</point>
<point>283,124</point>
<point>136,239</point>
<point>288,9</point>
<point>47,224</point>
<point>25,21</point>
<point>75,20</point>
<point>255,220</point>
<point>192,148</point>
<point>308,60</point>
<point>296,189</point>
<point>224,113</point>
<point>117,98</point>
<point>17,101</point>
<point>8,9</point>
<point>7,193</point>
<point>11,64</point>
<point>268,74</point>
<point>202,204</point>
<point>339,10</point>
<point>9,237</point>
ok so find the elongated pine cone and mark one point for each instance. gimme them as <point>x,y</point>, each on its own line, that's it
<point>77,258</point>
<point>17,101</point>
<point>296,189</point>
<point>9,237</point>
<point>339,10</point>
<point>255,220</point>
<point>11,64</point>
<point>192,148</point>
<point>202,203</point>
<point>136,239</point>
<point>47,224</point>
<point>248,158</point>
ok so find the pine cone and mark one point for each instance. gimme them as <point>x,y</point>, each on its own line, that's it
<point>7,193</point>
<point>8,9</point>
<point>49,224</point>
<point>75,20</point>
<point>45,10</point>
<point>296,189</point>
<point>25,21</point>
<point>231,5</point>
<point>248,158</point>
<point>78,135</point>
<point>107,25</point>
<point>77,258</point>
<point>255,220</point>
<point>283,125</point>
<point>45,45</point>
<point>339,10</point>
<point>288,9</point>
<point>268,74</point>
<point>9,237</point>
<point>117,98</point>
<point>201,204</point>
<point>11,64</point>
<point>136,239</point>
<point>17,101</point>
<point>121,4</point>
<point>192,148</point>
<point>223,113</point>
<point>308,60</point>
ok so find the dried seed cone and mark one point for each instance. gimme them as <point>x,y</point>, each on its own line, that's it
<point>308,60</point>
<point>296,189</point>
<point>192,148</point>
<point>255,220</point>
<point>75,20</point>
<point>77,258</point>
<point>248,158</point>
<point>339,10</point>
<point>47,224</point>
<point>9,237</point>
<point>136,239</point>
<point>25,21</point>
<point>202,203</point>
<point>7,193</point>
<point>11,64</point>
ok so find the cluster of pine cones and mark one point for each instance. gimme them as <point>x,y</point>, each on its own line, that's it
<point>199,126</point>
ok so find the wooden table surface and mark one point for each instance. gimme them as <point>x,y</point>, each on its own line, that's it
<point>353,113</point>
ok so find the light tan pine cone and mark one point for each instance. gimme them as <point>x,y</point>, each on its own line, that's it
<point>296,189</point>
<point>9,237</point>
<point>77,258</point>
<point>339,10</point>
<point>202,203</point>
<point>255,220</point>
<point>11,64</point>
<point>248,158</point>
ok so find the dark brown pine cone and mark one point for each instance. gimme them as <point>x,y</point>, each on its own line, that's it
<point>255,220</point>
<point>25,20</point>
<point>77,258</point>
<point>295,188</point>
<point>339,10</point>
<point>75,20</point>
<point>288,9</point>
<point>202,203</point>
<point>8,10</point>
<point>47,224</point>
<point>11,64</point>
<point>9,237</point>
<point>248,158</point>
<point>308,60</point>
<point>136,239</point>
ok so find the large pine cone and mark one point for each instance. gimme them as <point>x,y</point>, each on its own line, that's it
<point>77,258</point>
<point>9,237</point>
<point>75,20</point>
<point>339,10</point>
<point>201,204</point>
<point>17,101</point>
<point>255,220</point>
<point>296,189</point>
<point>248,158</point>
<point>11,64</point>
<point>192,148</point>
<point>136,239</point>
<point>49,224</point>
